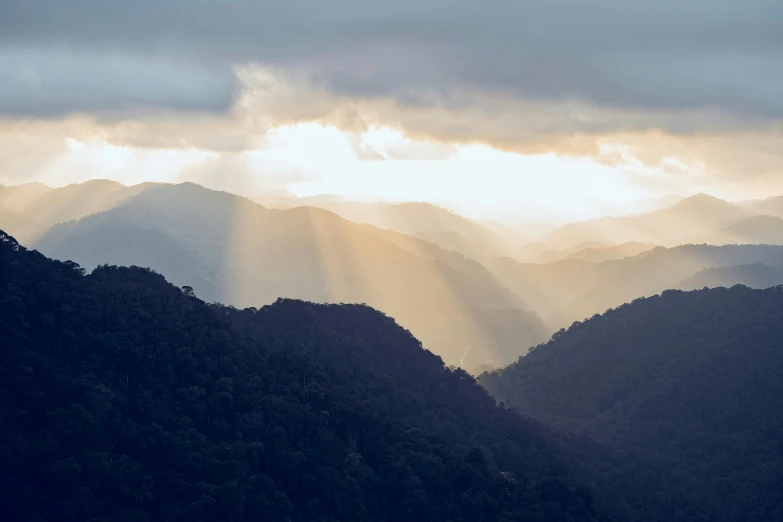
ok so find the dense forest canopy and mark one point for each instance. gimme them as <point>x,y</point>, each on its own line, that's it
<point>691,380</point>
<point>126,398</point>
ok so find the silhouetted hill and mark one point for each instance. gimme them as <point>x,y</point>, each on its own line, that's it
<point>123,397</point>
<point>685,221</point>
<point>232,250</point>
<point>756,275</point>
<point>691,380</point>
<point>573,290</point>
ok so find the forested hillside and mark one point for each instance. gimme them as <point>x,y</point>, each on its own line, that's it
<point>690,380</point>
<point>232,250</point>
<point>123,397</point>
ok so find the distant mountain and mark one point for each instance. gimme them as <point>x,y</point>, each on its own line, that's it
<point>511,235</point>
<point>621,251</point>
<point>757,230</point>
<point>690,218</point>
<point>554,255</point>
<point>438,225</point>
<point>657,270</point>
<point>530,251</point>
<point>232,250</point>
<point>770,206</point>
<point>573,290</point>
<point>755,275</point>
<point>123,397</point>
<point>549,287</point>
<point>40,207</point>
<point>691,380</point>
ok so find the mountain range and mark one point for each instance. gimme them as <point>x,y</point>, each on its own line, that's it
<point>127,396</point>
<point>233,250</point>
<point>431,269</point>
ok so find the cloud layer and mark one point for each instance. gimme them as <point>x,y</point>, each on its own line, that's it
<point>639,56</point>
<point>672,77</point>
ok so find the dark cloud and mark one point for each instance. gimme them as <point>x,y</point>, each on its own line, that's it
<point>646,63</point>
<point>48,81</point>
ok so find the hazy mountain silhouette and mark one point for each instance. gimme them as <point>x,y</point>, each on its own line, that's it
<point>772,206</point>
<point>690,218</point>
<point>621,251</point>
<point>236,251</point>
<point>689,379</point>
<point>660,269</point>
<point>573,290</point>
<point>39,207</point>
<point>755,275</point>
<point>530,251</point>
<point>756,230</point>
<point>432,223</point>
<point>553,255</point>
<point>512,235</point>
<point>547,288</point>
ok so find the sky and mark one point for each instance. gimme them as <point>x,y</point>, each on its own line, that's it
<point>558,108</point>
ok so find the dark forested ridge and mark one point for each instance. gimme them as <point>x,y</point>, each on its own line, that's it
<point>690,380</point>
<point>126,398</point>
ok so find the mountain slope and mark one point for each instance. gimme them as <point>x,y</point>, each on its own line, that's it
<point>124,398</point>
<point>689,379</point>
<point>685,221</point>
<point>756,275</point>
<point>659,269</point>
<point>573,290</point>
<point>553,255</point>
<point>39,207</point>
<point>621,251</point>
<point>757,230</point>
<point>236,251</point>
<point>432,223</point>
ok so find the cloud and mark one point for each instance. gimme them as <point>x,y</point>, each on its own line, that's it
<point>52,82</point>
<point>643,56</point>
<point>694,83</point>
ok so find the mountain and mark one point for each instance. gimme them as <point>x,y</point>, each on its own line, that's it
<point>757,230</point>
<point>601,254</point>
<point>573,290</point>
<point>509,234</point>
<point>770,206</point>
<point>232,250</point>
<point>550,287</point>
<point>657,270</point>
<point>691,380</point>
<point>125,398</point>
<point>39,207</point>
<point>693,217</point>
<point>432,223</point>
<point>553,255</point>
<point>530,251</point>
<point>755,275</point>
